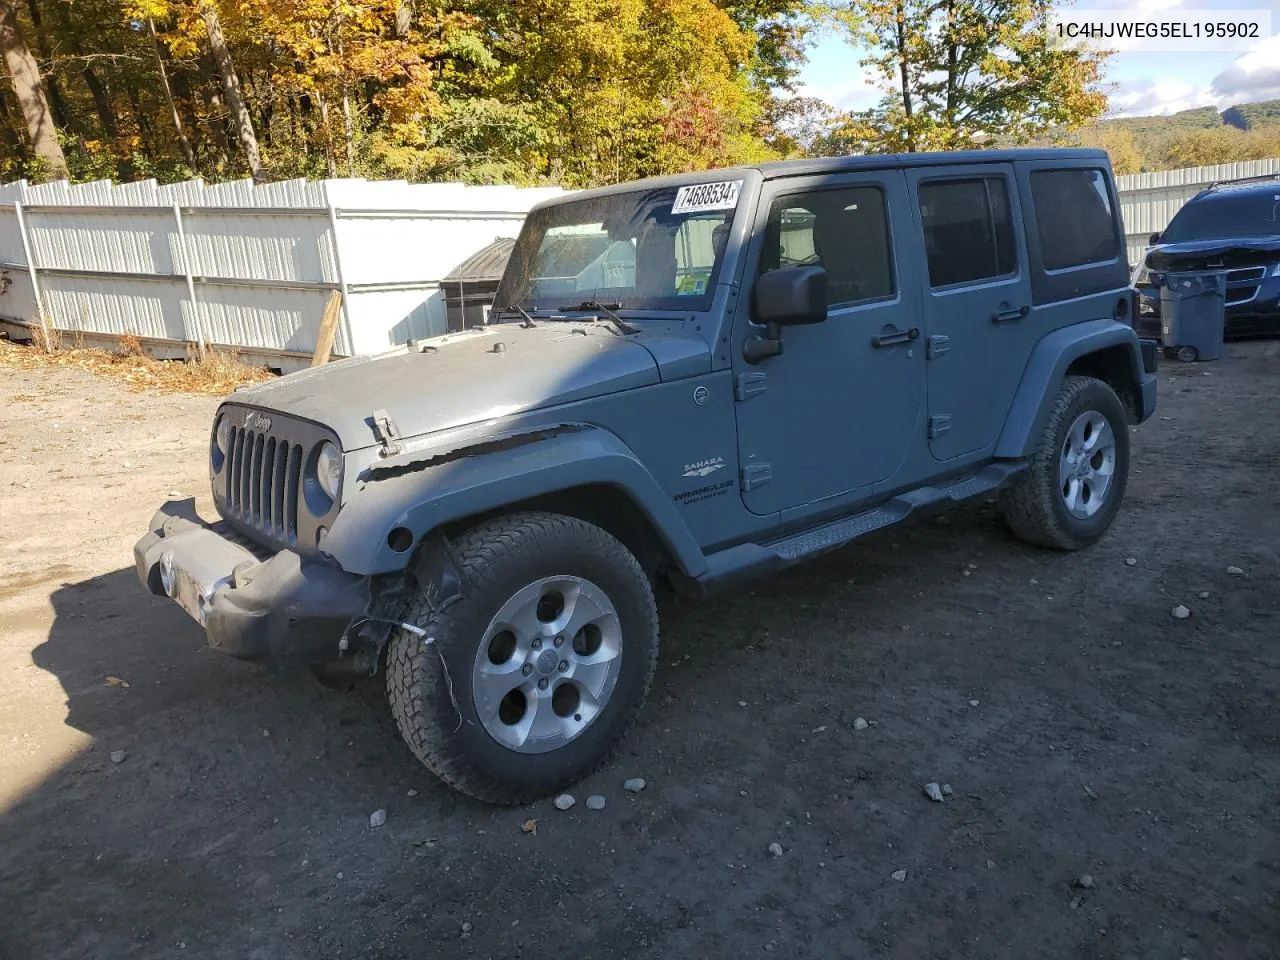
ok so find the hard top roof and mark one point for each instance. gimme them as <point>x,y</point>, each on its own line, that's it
<point>837,165</point>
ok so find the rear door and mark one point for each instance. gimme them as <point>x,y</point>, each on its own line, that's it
<point>842,405</point>
<point>976,301</point>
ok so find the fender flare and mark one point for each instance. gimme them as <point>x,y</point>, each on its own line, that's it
<point>422,491</point>
<point>1045,371</point>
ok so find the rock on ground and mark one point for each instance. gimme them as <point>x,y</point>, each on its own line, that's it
<point>563,802</point>
<point>595,802</point>
<point>377,818</point>
<point>933,792</point>
<point>634,785</point>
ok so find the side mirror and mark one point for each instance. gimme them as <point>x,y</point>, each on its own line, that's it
<point>783,298</point>
<point>792,296</point>
<point>1153,239</point>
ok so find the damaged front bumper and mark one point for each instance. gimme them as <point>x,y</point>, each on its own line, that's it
<point>252,606</point>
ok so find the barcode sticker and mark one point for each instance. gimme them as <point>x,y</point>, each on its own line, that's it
<point>707,196</point>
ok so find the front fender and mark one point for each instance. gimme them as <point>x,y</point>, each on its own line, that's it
<point>1045,371</point>
<point>423,493</point>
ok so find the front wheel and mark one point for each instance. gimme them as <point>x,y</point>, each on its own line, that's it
<point>534,675</point>
<point>1072,490</point>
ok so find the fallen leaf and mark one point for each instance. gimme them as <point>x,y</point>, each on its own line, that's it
<point>115,682</point>
<point>530,826</point>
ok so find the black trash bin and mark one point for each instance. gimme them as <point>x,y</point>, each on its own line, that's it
<point>1193,314</point>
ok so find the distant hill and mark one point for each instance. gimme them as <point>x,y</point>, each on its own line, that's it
<point>1248,115</point>
<point>1243,116</point>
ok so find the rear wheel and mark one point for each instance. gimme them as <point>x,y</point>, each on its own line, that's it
<point>532,677</point>
<point>1072,490</point>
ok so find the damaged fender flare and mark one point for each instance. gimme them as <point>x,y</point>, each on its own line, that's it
<point>421,495</point>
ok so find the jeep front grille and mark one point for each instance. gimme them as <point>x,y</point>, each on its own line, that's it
<point>263,477</point>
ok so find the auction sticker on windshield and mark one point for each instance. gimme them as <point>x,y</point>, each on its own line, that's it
<point>707,196</point>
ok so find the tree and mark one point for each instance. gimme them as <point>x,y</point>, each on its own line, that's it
<point>1119,144</point>
<point>1201,148</point>
<point>962,73</point>
<point>240,118</point>
<point>24,75</point>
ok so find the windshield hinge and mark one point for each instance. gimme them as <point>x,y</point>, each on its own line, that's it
<point>386,432</point>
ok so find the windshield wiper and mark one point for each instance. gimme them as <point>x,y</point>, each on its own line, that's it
<point>528,320</point>
<point>606,309</point>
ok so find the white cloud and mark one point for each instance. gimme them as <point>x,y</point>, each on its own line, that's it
<point>1254,76</point>
<point>1150,97</point>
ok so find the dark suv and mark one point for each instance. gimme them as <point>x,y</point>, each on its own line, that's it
<point>1232,227</point>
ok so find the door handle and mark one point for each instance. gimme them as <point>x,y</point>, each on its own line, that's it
<point>1008,316</point>
<point>897,336</point>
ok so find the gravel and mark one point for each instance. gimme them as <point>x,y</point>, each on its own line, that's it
<point>898,875</point>
<point>775,848</point>
<point>933,792</point>
<point>563,802</point>
<point>634,785</point>
<point>595,802</point>
<point>860,724</point>
<point>117,756</point>
<point>1235,571</point>
<point>377,818</point>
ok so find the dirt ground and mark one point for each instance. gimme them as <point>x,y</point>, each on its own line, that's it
<point>1083,728</point>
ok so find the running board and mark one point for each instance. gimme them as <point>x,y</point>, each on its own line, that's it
<point>748,560</point>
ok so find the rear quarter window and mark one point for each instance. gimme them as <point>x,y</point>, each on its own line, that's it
<point>1074,218</point>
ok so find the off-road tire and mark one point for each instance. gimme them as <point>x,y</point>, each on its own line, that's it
<point>497,558</point>
<point>1033,506</point>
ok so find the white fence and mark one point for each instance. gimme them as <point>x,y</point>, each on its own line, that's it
<point>244,265</point>
<point>1148,201</point>
<point>252,266</point>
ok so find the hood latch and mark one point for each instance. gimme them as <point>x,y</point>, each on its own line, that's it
<point>387,433</point>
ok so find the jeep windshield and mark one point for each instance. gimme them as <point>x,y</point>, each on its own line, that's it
<point>654,249</point>
<point>1225,217</point>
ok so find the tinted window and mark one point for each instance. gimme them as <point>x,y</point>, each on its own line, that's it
<point>1225,215</point>
<point>845,231</point>
<point>968,232</point>
<point>1074,217</point>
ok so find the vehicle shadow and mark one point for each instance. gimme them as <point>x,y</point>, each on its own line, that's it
<point>240,811</point>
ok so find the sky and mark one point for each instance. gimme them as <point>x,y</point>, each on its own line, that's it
<point>1142,83</point>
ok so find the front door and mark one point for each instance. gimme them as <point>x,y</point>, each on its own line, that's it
<point>977,302</point>
<point>839,409</point>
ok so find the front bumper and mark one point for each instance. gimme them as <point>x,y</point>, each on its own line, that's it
<point>252,606</point>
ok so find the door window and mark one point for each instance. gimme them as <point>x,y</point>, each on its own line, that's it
<point>846,232</point>
<point>1074,217</point>
<point>968,230</point>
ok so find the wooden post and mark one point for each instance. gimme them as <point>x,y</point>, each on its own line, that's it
<point>328,329</point>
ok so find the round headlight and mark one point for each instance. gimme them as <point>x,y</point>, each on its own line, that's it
<point>329,469</point>
<point>222,433</point>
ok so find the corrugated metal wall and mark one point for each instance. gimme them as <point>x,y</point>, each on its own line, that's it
<point>262,260</point>
<point>1148,201</point>
<point>245,265</point>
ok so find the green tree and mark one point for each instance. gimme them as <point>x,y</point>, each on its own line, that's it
<point>962,73</point>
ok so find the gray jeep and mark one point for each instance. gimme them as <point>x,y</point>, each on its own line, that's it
<point>700,379</point>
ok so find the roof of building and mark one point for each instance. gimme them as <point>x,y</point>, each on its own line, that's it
<point>485,264</point>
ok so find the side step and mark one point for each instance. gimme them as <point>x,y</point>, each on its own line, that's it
<point>748,560</point>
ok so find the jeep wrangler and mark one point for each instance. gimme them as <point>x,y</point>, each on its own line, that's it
<point>700,378</point>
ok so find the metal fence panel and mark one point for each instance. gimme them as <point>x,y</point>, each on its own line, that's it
<point>245,265</point>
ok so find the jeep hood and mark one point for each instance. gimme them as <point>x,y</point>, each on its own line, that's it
<point>1215,254</point>
<point>459,379</point>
